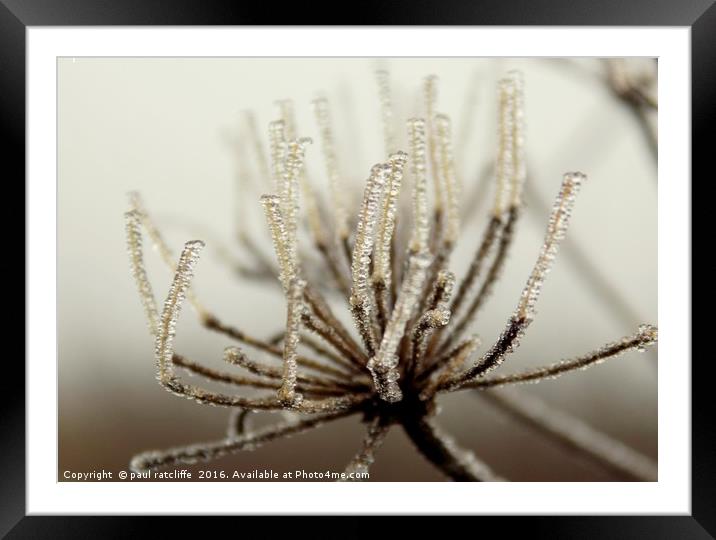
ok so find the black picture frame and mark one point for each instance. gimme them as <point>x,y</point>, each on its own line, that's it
<point>17,15</point>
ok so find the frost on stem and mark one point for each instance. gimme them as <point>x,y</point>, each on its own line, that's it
<point>556,230</point>
<point>443,451</point>
<point>262,162</point>
<point>277,149</point>
<point>195,453</point>
<point>137,205</point>
<point>292,170</point>
<point>164,344</point>
<point>384,365</point>
<point>286,113</point>
<point>287,393</point>
<point>443,130</point>
<point>430,93</point>
<point>645,336</point>
<point>288,117</point>
<point>136,258</point>
<point>361,299</point>
<point>285,250</point>
<point>436,316</point>
<point>504,165</point>
<point>447,368</point>
<point>386,109</point>
<point>386,228</point>
<point>421,220</point>
<point>519,169</point>
<point>325,130</point>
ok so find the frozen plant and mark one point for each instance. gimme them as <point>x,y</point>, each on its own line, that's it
<point>410,343</point>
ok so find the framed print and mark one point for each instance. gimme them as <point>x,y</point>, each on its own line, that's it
<point>436,264</point>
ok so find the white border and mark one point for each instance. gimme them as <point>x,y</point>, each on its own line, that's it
<point>670,495</point>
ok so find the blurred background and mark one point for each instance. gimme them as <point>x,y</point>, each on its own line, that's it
<point>167,128</point>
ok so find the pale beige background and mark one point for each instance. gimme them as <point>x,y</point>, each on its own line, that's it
<point>160,125</point>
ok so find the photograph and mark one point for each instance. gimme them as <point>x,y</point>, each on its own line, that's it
<point>321,269</point>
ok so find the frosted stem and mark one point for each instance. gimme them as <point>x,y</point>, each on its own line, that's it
<point>446,369</point>
<point>556,230</point>
<point>255,382</point>
<point>164,348</point>
<point>516,325</point>
<point>645,336</point>
<point>220,376</point>
<point>430,90</point>
<point>504,165</point>
<point>323,311</point>
<point>286,113</point>
<point>166,329</point>
<point>285,250</point>
<point>160,245</point>
<point>477,263</point>
<point>386,109</point>
<point>277,149</point>
<point>519,169</point>
<point>421,221</point>
<point>436,316</point>
<point>340,216</point>
<point>360,464</point>
<point>442,451</point>
<point>216,325</point>
<point>262,161</point>
<point>382,265</point>
<point>328,333</point>
<point>361,299</point>
<point>386,225</point>
<point>287,394</point>
<point>506,236</point>
<point>443,130</point>
<point>207,451</point>
<point>292,170</point>
<point>136,258</point>
<point>235,356</point>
